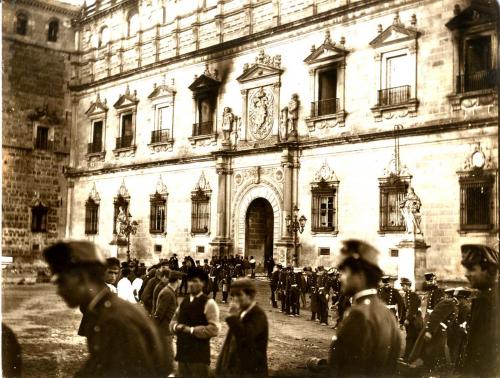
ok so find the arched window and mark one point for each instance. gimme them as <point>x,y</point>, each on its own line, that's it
<point>104,36</point>
<point>22,23</point>
<point>133,23</point>
<point>53,31</point>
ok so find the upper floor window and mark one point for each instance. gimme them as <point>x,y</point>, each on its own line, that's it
<point>127,109</point>
<point>473,30</point>
<point>22,23</point>
<point>39,218</point>
<point>53,31</point>
<point>104,36</point>
<point>396,56</point>
<point>132,23</point>
<point>43,137</point>
<point>327,73</point>
<point>163,99</point>
<point>205,93</point>
<point>95,145</point>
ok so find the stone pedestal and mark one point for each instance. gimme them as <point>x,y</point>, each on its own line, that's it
<point>412,260</point>
<point>221,247</point>
<point>285,252</point>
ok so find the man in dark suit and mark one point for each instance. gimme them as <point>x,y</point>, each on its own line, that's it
<point>122,340</point>
<point>434,293</point>
<point>482,351</point>
<point>368,340</point>
<point>273,283</point>
<point>413,322</point>
<point>244,353</point>
<point>392,299</point>
<point>166,305</point>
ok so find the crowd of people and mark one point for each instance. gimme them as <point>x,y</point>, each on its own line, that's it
<point>138,320</point>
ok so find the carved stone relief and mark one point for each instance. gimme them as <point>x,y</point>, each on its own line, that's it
<point>260,112</point>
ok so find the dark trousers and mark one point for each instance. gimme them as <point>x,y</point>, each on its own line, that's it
<point>195,370</point>
<point>288,305</point>
<point>295,301</point>
<point>273,297</point>
<point>224,296</point>
<point>411,337</point>
<point>323,309</point>
<point>214,292</point>
<point>283,300</point>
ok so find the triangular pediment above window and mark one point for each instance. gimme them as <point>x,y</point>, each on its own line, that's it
<point>160,91</point>
<point>258,71</point>
<point>480,12</point>
<point>126,100</point>
<point>327,51</point>
<point>397,32</point>
<point>97,107</point>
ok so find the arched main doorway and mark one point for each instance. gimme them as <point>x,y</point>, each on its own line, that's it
<point>259,227</point>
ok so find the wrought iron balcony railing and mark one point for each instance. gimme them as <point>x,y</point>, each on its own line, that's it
<point>202,128</point>
<point>476,81</point>
<point>124,142</point>
<point>158,136</point>
<point>94,147</point>
<point>325,107</point>
<point>393,96</point>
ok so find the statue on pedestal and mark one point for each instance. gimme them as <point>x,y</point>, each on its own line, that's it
<point>227,123</point>
<point>410,208</point>
<point>121,222</point>
<point>284,124</point>
<point>293,114</point>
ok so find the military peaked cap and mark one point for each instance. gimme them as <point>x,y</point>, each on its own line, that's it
<point>474,254</point>
<point>65,255</point>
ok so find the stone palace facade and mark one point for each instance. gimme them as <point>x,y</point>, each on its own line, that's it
<point>209,122</point>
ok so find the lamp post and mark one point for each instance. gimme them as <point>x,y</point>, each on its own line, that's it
<point>128,227</point>
<point>295,225</point>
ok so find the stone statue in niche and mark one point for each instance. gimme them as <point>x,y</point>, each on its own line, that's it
<point>284,124</point>
<point>121,220</point>
<point>227,123</point>
<point>293,114</point>
<point>410,208</point>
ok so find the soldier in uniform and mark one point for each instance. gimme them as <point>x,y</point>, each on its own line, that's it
<point>282,289</point>
<point>481,355</point>
<point>295,283</point>
<point>434,292</point>
<point>121,340</point>
<point>368,340</point>
<point>314,296</point>
<point>213,276</point>
<point>273,283</point>
<point>413,322</point>
<point>226,279</point>
<point>392,299</point>
<point>323,290</point>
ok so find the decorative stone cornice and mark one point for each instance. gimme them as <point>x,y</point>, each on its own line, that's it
<point>61,8</point>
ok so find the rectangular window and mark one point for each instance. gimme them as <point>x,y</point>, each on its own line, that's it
<point>391,197</point>
<point>478,72</point>
<point>126,131</point>
<point>39,218</point>
<point>162,132</point>
<point>42,138</point>
<point>200,215</point>
<point>327,93</point>
<point>96,144</point>
<point>91,217</point>
<point>205,108</point>
<point>394,253</point>
<point>157,215</point>
<point>158,248</point>
<point>476,203</point>
<point>324,207</point>
<point>200,249</point>
<point>397,71</point>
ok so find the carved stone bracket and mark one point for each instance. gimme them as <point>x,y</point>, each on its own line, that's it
<point>406,109</point>
<point>125,152</point>
<point>473,101</point>
<point>203,140</point>
<point>326,121</point>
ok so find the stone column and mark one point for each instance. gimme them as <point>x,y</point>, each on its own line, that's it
<point>221,243</point>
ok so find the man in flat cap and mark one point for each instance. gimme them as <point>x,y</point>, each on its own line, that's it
<point>122,341</point>
<point>481,269</point>
<point>195,322</point>
<point>413,322</point>
<point>244,353</point>
<point>368,340</point>
<point>166,304</point>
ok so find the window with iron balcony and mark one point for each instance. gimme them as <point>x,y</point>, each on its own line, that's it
<point>157,217</point>
<point>200,212</point>
<point>392,194</point>
<point>476,202</point>
<point>91,217</point>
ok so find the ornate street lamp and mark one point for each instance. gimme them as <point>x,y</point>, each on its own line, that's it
<point>128,227</point>
<point>295,225</point>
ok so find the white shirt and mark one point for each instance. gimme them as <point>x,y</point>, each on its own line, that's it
<point>243,313</point>
<point>125,290</point>
<point>112,288</point>
<point>136,286</point>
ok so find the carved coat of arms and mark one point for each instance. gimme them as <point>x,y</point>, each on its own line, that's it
<point>261,113</point>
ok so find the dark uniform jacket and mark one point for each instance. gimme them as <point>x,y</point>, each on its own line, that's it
<point>158,288</point>
<point>412,305</point>
<point>481,353</point>
<point>274,280</point>
<point>122,341</point>
<point>166,305</point>
<point>391,297</point>
<point>244,353</point>
<point>368,341</point>
<point>434,296</point>
<point>147,294</point>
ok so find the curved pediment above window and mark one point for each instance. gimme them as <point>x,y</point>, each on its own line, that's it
<point>264,66</point>
<point>127,100</point>
<point>328,51</point>
<point>395,33</point>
